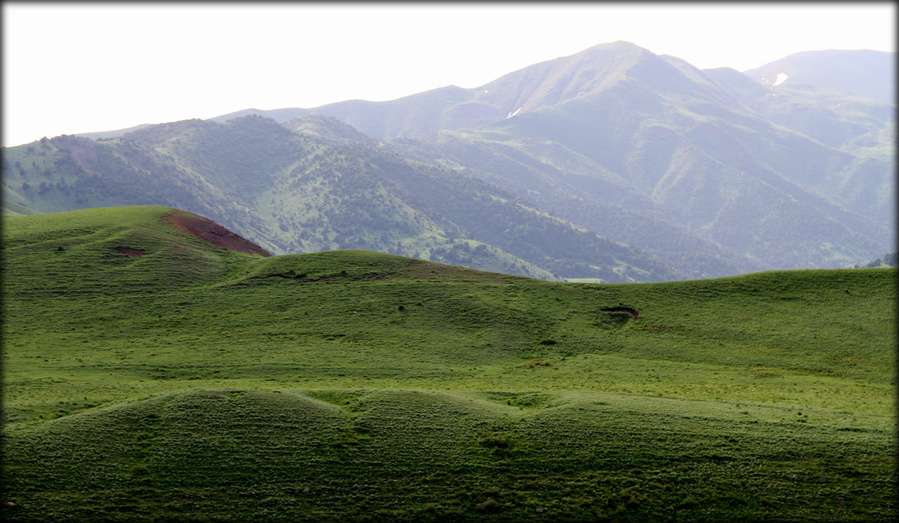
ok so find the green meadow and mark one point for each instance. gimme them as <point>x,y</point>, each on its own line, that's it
<point>149,375</point>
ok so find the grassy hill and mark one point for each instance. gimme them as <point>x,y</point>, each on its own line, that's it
<point>151,374</point>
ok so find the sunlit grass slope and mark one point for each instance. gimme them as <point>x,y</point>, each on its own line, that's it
<point>150,375</point>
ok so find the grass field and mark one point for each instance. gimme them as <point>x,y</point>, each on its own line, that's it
<point>150,375</point>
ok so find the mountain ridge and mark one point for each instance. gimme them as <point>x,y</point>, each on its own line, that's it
<point>858,72</point>
<point>615,140</point>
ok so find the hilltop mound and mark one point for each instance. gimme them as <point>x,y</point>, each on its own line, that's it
<point>118,249</point>
<point>241,454</point>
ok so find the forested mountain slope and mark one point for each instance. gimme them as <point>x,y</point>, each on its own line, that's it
<point>307,192</point>
<point>793,175</point>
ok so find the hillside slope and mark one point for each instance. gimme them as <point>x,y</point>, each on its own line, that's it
<point>197,382</point>
<point>309,191</point>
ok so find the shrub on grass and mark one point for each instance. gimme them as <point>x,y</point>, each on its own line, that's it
<point>535,363</point>
<point>495,441</point>
<point>491,505</point>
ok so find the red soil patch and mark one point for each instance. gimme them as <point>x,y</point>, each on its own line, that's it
<point>130,252</point>
<point>211,232</point>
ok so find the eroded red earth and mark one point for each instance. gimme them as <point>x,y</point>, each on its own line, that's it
<point>130,252</point>
<point>211,232</point>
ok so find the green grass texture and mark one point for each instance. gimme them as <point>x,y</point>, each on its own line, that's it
<point>149,375</point>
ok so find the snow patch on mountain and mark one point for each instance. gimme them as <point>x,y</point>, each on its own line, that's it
<point>781,78</point>
<point>510,115</point>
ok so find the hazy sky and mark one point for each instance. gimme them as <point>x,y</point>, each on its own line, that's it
<point>81,67</point>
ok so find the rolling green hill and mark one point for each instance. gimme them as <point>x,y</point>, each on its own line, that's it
<point>149,374</point>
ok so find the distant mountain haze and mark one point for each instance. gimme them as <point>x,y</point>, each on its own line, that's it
<point>866,74</point>
<point>613,164</point>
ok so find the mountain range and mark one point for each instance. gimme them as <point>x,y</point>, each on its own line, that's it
<point>613,164</point>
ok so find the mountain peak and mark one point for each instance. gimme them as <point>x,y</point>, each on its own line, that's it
<point>617,45</point>
<point>327,128</point>
<point>561,79</point>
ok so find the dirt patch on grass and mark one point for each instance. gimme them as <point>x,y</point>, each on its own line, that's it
<point>130,252</point>
<point>211,232</point>
<point>628,310</point>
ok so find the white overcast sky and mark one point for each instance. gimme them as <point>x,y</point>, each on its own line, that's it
<point>83,67</point>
